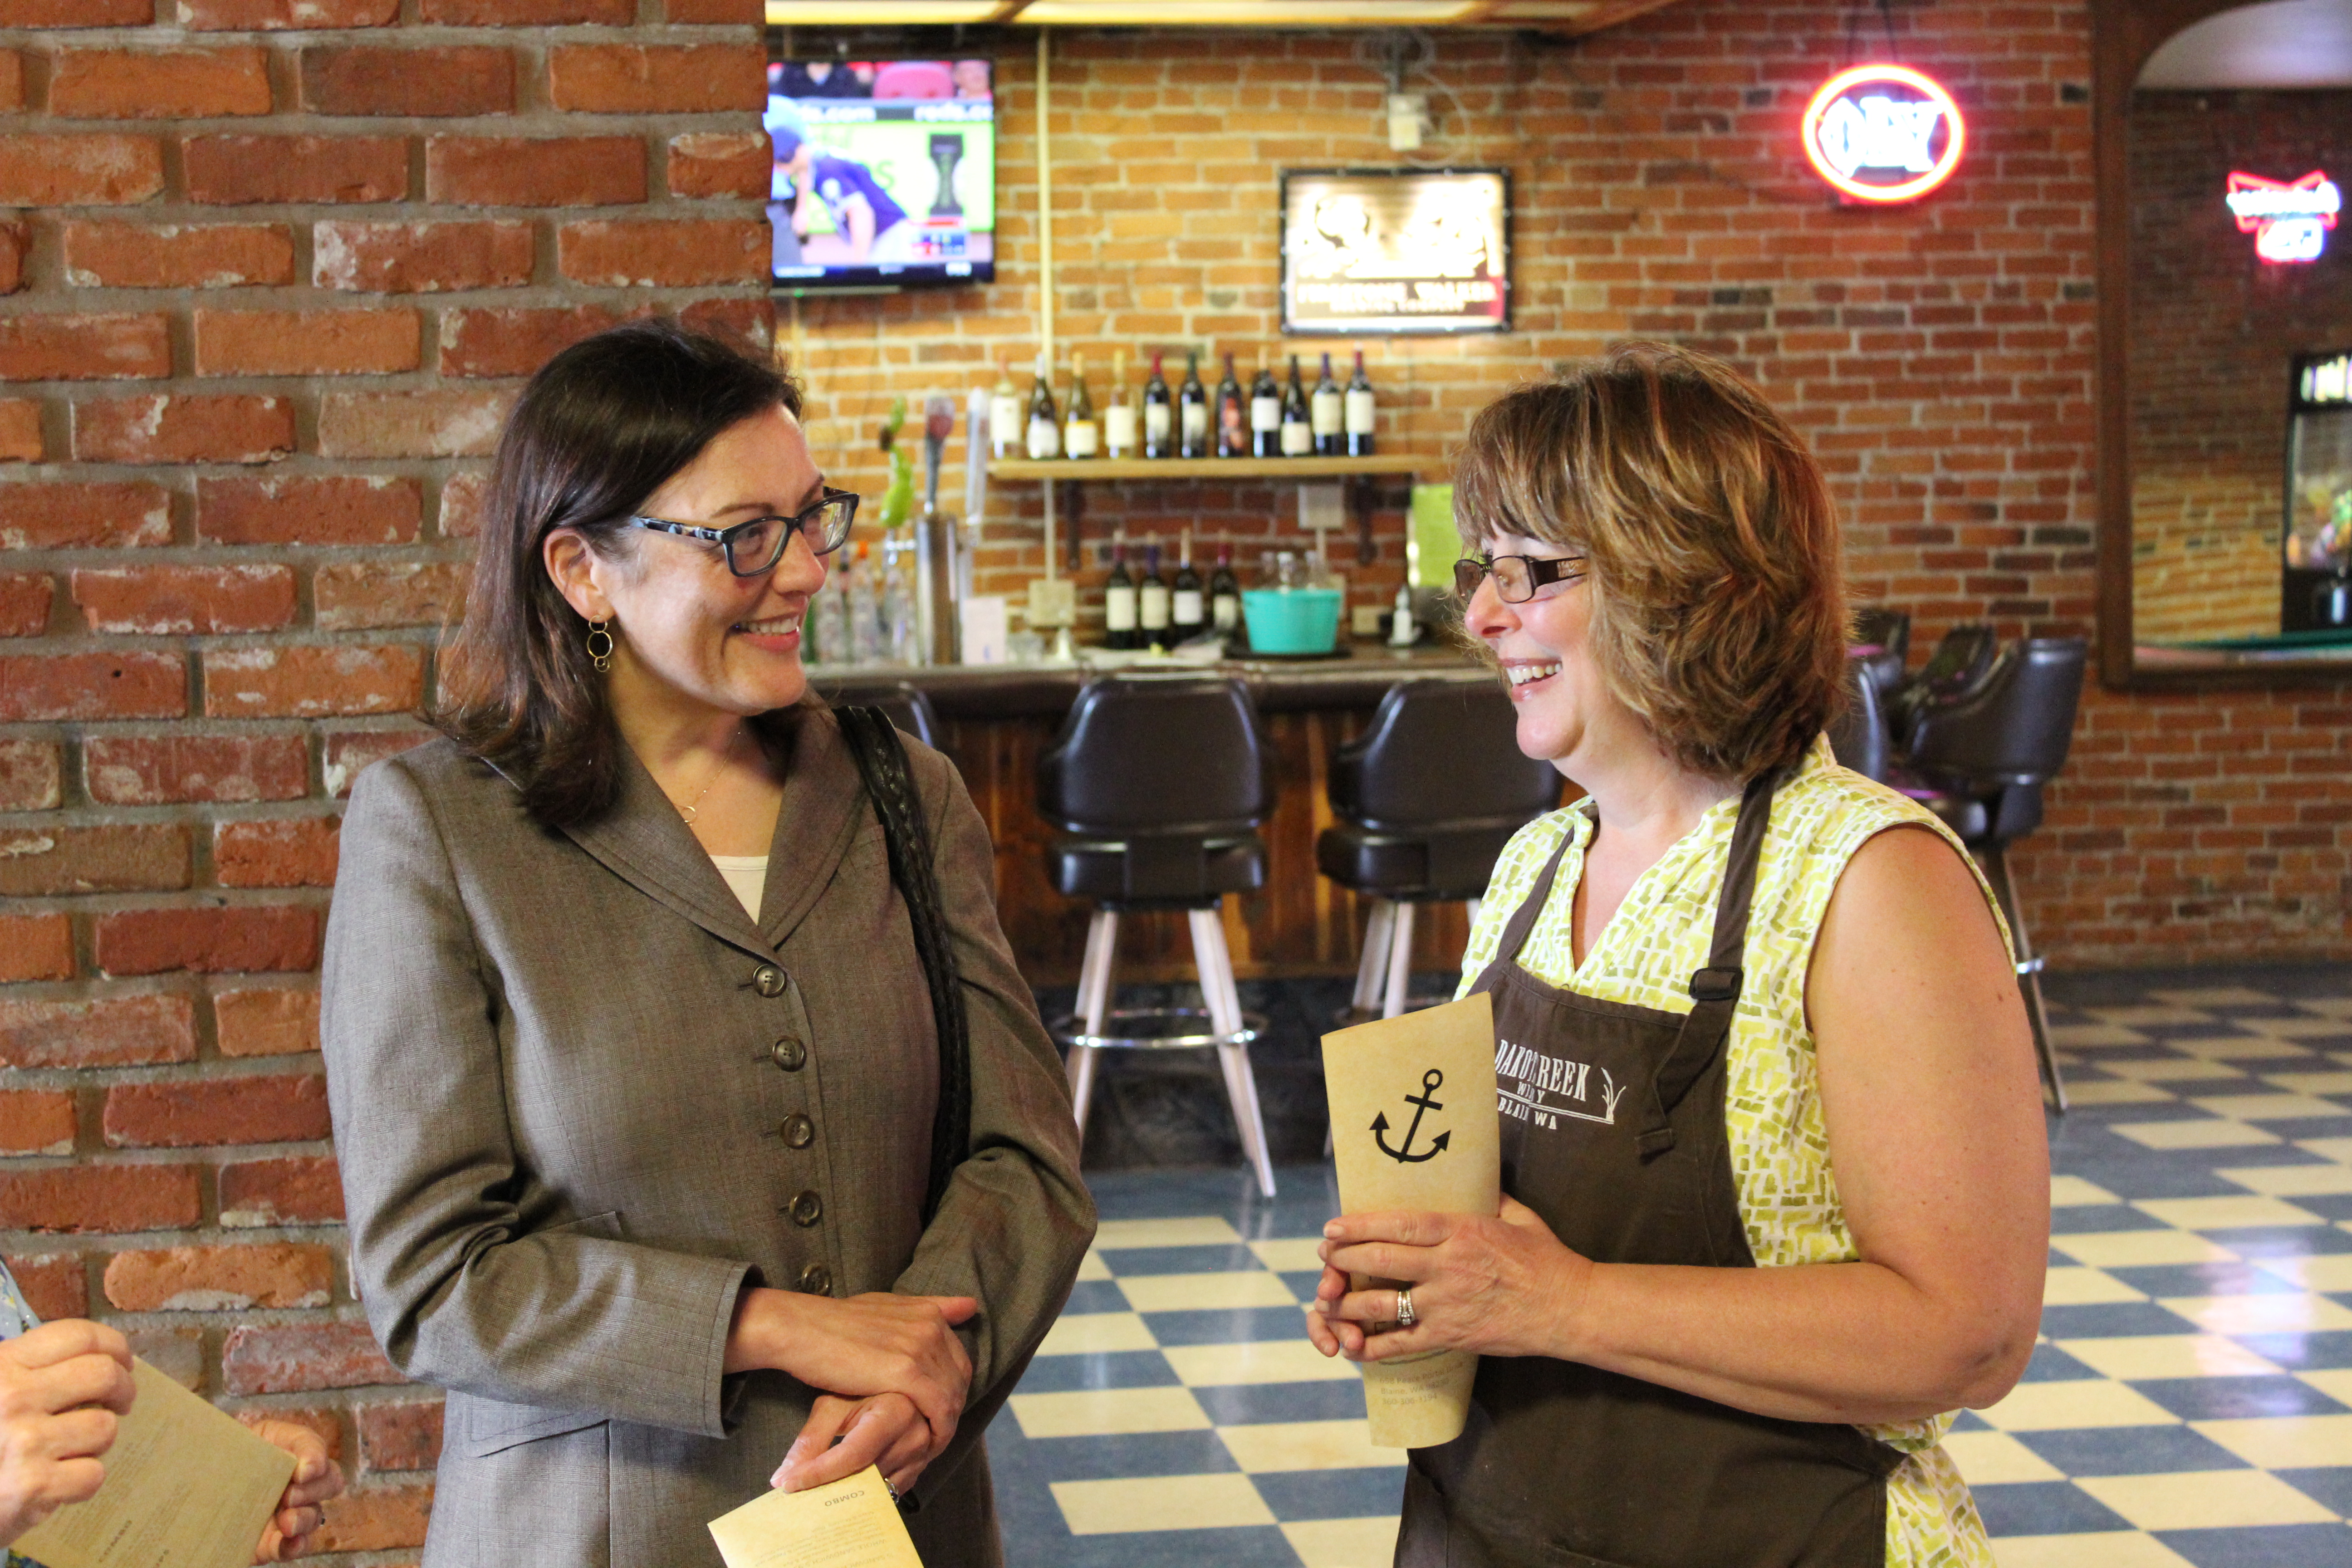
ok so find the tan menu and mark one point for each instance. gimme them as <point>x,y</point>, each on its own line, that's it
<point>1413,1127</point>
<point>187,1487</point>
<point>850,1523</point>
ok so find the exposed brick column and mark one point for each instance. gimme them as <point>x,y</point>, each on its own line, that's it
<point>270,274</point>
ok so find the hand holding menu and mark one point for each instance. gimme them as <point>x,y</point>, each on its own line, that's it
<point>187,1487</point>
<point>1413,1127</point>
<point>851,1523</point>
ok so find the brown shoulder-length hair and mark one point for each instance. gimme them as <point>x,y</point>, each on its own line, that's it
<point>601,427</point>
<point>1717,577</point>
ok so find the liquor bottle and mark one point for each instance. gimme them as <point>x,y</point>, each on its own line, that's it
<point>828,614</point>
<point>1297,436</point>
<point>1225,593</point>
<point>1361,407</point>
<point>1266,411</point>
<point>1118,419</point>
<point>1044,430</point>
<point>1233,415</point>
<point>1159,415</point>
<point>1151,607</point>
<point>1193,406</point>
<point>1187,610</point>
<point>897,605</point>
<point>1119,605</point>
<point>1326,415</point>
<point>1005,436</point>
<point>1081,436</point>
<point>865,611</point>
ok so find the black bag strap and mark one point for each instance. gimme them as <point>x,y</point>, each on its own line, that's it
<point>881,760</point>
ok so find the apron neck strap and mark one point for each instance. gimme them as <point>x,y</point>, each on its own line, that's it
<point>1523,918</point>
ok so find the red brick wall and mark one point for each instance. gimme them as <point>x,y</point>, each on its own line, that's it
<point>273,272</point>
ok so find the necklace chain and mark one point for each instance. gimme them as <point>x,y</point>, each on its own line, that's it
<point>693,809</point>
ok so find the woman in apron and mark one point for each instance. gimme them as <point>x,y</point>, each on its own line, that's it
<point>1775,1173</point>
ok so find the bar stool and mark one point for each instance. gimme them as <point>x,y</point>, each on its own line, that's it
<point>1882,634</point>
<point>1960,663</point>
<point>903,700</point>
<point>1426,799</point>
<point>1858,736</point>
<point>1979,760</point>
<point>1158,785</point>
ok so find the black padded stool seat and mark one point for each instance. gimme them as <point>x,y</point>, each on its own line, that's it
<point>1858,734</point>
<point>1426,798</point>
<point>903,700</point>
<point>1158,784</point>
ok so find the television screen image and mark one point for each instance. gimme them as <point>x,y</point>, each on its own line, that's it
<point>1396,252</point>
<point>885,172</point>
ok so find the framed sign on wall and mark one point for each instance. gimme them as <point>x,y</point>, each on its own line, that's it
<point>1396,252</point>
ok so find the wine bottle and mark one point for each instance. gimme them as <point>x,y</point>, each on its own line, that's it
<point>1266,411</point>
<point>1044,430</point>
<point>1233,415</point>
<point>1005,437</point>
<point>1081,436</point>
<point>1152,604</point>
<point>1118,419</point>
<point>1159,415</point>
<point>1187,612</point>
<point>1119,601</point>
<point>1225,593</point>
<point>1297,436</point>
<point>1193,405</point>
<point>1361,408</point>
<point>1324,415</point>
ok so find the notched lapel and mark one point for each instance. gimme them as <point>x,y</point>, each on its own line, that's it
<point>824,805</point>
<point>645,842</point>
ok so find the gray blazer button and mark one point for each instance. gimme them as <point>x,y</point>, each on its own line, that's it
<point>807,1209</point>
<point>799,1130</point>
<point>789,1054</point>
<point>816,1279</point>
<point>767,980</point>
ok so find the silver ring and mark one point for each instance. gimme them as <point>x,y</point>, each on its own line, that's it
<point>1406,1317</point>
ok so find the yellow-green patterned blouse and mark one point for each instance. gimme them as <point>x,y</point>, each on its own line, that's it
<point>1779,1153</point>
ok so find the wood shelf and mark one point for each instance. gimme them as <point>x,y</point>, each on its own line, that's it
<point>1203,467</point>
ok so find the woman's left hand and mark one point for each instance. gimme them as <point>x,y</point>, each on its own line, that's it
<point>845,1435</point>
<point>1503,1286</point>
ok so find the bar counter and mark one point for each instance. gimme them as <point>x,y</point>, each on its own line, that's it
<point>997,719</point>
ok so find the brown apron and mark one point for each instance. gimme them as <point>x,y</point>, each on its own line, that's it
<point>1612,1130</point>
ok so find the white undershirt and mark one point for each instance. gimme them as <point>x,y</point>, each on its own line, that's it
<point>747,875</point>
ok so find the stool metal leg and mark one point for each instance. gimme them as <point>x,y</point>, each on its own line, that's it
<point>1372,969</point>
<point>1399,975</point>
<point>2029,972</point>
<point>1094,1002</point>
<point>1223,999</point>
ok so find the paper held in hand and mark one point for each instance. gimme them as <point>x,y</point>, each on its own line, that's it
<point>851,1523</point>
<point>187,1487</point>
<point>1413,1127</point>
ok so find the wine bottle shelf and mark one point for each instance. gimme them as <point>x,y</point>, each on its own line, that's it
<point>1203,468</point>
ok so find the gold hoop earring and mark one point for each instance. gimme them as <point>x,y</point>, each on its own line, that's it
<point>601,656</point>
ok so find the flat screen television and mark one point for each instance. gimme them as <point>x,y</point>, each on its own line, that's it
<point>1396,252</point>
<point>885,172</point>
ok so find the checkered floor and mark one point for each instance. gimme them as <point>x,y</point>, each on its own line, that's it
<point>2190,1401</point>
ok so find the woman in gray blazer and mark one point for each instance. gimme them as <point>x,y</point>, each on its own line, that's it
<point>635,1078</point>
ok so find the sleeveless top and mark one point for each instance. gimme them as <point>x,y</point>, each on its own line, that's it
<point>1788,1195</point>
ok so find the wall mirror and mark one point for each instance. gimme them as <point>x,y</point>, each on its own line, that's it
<point>2224,143</point>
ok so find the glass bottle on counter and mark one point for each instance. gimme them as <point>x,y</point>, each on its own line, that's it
<point>1044,429</point>
<point>1151,607</point>
<point>1192,405</point>
<point>1361,407</point>
<point>1118,419</point>
<point>1187,609</point>
<point>1297,436</point>
<point>1232,415</point>
<point>865,611</point>
<point>1081,436</point>
<point>1006,437</point>
<point>1326,415</point>
<point>1159,415</point>
<point>1225,593</point>
<point>828,612</point>
<point>896,606</point>
<point>1119,606</point>
<point>1266,411</point>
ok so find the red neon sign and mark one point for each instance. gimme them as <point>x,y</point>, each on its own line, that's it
<point>1883,133</point>
<point>2288,218</point>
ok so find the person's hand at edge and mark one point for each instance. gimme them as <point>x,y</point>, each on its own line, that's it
<point>63,1386</point>
<point>316,1478</point>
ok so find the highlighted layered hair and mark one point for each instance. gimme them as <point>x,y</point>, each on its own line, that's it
<point>1718,593</point>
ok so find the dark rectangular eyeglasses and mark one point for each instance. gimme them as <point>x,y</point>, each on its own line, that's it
<point>1516,577</point>
<point>756,546</point>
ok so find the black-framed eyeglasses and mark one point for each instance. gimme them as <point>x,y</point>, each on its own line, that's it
<point>756,546</point>
<point>1516,577</point>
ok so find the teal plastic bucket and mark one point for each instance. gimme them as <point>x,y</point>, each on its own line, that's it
<point>1292,620</point>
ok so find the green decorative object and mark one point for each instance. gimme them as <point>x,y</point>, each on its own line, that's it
<point>1432,547</point>
<point>898,496</point>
